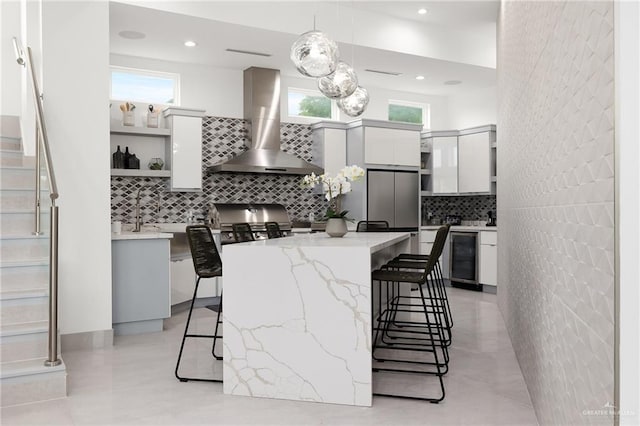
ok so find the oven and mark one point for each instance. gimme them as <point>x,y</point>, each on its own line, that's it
<point>223,215</point>
<point>463,259</point>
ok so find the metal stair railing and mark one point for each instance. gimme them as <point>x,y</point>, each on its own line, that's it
<point>42,150</point>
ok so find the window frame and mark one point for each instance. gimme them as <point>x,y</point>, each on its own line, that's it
<point>425,107</point>
<point>147,73</point>
<point>315,93</point>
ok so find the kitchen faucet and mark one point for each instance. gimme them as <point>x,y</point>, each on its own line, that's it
<point>138,218</point>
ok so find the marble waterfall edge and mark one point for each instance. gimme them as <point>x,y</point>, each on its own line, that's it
<point>303,332</point>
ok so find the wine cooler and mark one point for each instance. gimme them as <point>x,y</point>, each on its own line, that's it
<point>464,260</point>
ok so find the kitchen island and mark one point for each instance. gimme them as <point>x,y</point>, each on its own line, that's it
<point>297,315</point>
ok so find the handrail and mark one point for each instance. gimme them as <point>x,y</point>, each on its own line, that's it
<point>42,130</point>
<point>42,144</point>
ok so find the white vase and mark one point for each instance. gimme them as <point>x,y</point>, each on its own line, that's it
<point>336,227</point>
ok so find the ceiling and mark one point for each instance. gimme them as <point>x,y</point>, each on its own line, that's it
<point>371,24</point>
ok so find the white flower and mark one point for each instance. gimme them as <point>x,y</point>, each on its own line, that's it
<point>352,172</point>
<point>335,187</point>
<point>345,187</point>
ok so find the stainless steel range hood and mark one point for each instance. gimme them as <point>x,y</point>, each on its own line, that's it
<point>262,109</point>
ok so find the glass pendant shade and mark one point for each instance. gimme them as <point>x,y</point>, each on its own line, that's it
<point>314,54</point>
<point>339,84</point>
<point>355,104</point>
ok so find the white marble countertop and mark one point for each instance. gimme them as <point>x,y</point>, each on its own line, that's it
<point>315,345</point>
<point>462,228</point>
<point>375,241</point>
<point>129,235</point>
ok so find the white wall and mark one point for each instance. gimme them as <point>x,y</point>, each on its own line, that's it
<point>627,63</point>
<point>473,108</point>
<point>76,83</point>
<point>216,90</point>
<point>219,92</point>
<point>556,242</point>
<point>20,19</point>
<point>10,72</point>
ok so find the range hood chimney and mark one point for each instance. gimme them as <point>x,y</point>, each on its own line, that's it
<point>262,109</point>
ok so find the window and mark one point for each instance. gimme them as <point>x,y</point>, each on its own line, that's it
<point>309,103</point>
<point>410,112</point>
<point>145,86</point>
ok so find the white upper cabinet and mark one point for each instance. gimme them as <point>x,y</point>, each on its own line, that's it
<point>394,147</point>
<point>329,146</point>
<point>462,161</point>
<point>444,156</point>
<point>185,149</point>
<point>474,162</point>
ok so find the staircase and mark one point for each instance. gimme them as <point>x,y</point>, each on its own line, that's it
<point>24,263</point>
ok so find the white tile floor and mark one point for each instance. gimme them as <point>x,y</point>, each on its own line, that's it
<point>132,383</point>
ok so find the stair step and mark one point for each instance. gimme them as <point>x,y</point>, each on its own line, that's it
<point>19,247</point>
<point>21,178</point>
<point>24,275</point>
<point>22,329</point>
<point>24,341</point>
<point>10,157</point>
<point>25,305</point>
<point>30,381</point>
<point>10,144</point>
<point>18,198</point>
<point>23,221</point>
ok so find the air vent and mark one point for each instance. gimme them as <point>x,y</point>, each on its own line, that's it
<point>248,52</point>
<point>385,72</point>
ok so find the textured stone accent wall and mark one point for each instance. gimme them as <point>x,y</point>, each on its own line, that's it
<point>222,138</point>
<point>556,203</point>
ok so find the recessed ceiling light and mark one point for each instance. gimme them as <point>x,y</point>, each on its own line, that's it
<point>132,35</point>
<point>190,43</point>
<point>452,82</point>
<point>419,77</point>
<point>422,11</point>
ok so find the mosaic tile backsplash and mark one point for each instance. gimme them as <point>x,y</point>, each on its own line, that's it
<point>471,208</point>
<point>222,138</point>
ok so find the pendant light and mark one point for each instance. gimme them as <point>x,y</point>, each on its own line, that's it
<point>314,54</point>
<point>339,84</point>
<point>355,104</point>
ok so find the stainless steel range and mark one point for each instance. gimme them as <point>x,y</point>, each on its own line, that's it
<point>223,215</point>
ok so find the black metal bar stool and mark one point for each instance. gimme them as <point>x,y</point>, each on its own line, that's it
<point>437,300</point>
<point>273,230</point>
<point>372,226</point>
<point>207,264</point>
<point>416,261</point>
<point>423,334</point>
<point>242,232</point>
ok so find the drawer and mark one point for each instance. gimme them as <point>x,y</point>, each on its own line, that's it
<point>489,238</point>
<point>428,236</point>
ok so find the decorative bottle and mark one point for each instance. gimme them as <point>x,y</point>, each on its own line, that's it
<point>127,157</point>
<point>118,159</point>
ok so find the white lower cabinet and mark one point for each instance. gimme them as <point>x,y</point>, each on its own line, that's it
<point>489,258</point>
<point>426,241</point>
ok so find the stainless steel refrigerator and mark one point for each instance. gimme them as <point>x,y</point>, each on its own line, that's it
<point>394,196</point>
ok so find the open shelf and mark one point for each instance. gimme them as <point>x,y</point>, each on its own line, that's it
<point>425,171</point>
<point>139,131</point>
<point>426,193</point>
<point>494,144</point>
<point>140,172</point>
